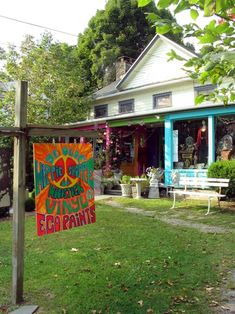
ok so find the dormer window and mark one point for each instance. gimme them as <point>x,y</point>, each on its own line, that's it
<point>126,106</point>
<point>101,111</point>
<point>205,90</point>
<point>162,100</point>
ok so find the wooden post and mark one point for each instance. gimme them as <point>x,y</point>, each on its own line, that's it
<point>19,193</point>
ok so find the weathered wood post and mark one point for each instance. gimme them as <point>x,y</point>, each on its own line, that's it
<point>19,193</point>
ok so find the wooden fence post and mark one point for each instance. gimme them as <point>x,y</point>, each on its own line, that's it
<point>19,193</point>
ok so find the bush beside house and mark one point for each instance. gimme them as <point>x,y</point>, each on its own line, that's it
<point>224,169</point>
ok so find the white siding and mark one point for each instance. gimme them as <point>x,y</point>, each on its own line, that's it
<point>154,67</point>
<point>182,97</point>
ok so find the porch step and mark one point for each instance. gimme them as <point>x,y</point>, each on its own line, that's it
<point>113,192</point>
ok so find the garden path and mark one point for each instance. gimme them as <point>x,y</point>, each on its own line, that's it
<point>172,221</point>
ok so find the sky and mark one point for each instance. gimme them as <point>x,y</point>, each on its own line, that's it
<point>71,16</point>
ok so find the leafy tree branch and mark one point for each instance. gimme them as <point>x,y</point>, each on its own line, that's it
<point>215,62</point>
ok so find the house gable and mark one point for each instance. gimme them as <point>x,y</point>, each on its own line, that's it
<point>153,67</point>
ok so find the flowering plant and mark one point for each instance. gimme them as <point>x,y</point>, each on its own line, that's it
<point>152,171</point>
<point>99,160</point>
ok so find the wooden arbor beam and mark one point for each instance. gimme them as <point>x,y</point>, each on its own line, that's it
<point>53,131</point>
<point>9,131</point>
<point>58,131</point>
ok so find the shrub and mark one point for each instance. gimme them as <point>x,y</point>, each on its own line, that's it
<point>29,205</point>
<point>224,169</point>
<point>125,179</point>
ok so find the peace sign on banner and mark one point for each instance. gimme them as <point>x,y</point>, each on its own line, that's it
<point>64,186</point>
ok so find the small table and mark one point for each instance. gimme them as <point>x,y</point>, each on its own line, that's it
<point>138,186</point>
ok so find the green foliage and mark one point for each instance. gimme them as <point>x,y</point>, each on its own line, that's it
<point>99,160</point>
<point>216,60</point>
<point>32,195</point>
<point>119,30</point>
<point>145,184</point>
<point>125,179</point>
<point>57,88</point>
<point>143,3</point>
<point>223,169</point>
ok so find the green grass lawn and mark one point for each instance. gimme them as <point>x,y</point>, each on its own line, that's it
<point>124,263</point>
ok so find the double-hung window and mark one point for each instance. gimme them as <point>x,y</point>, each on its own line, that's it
<point>205,90</point>
<point>126,106</point>
<point>101,111</point>
<point>162,100</point>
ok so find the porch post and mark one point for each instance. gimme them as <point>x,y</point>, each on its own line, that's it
<point>107,146</point>
<point>19,194</point>
<point>168,155</point>
<point>211,139</point>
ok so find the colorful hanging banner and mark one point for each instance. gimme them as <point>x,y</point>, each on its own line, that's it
<point>64,186</point>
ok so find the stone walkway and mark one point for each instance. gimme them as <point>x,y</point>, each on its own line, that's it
<point>172,221</point>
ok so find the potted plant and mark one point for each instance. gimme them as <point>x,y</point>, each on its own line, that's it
<point>126,186</point>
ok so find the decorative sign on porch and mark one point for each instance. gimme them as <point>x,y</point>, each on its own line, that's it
<point>64,186</point>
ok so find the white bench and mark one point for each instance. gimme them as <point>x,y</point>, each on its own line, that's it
<point>189,185</point>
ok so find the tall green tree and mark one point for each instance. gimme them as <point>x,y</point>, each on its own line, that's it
<point>119,30</point>
<point>216,60</point>
<point>57,89</point>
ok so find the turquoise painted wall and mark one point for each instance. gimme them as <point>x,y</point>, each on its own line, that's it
<point>210,114</point>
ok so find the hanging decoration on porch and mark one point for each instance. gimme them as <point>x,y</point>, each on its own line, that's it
<point>115,150</point>
<point>64,186</point>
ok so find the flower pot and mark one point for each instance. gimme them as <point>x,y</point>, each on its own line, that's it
<point>126,190</point>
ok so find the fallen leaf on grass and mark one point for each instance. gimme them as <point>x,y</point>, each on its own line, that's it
<point>110,285</point>
<point>209,289</point>
<point>225,307</point>
<point>124,288</point>
<point>179,299</point>
<point>214,303</point>
<point>74,249</point>
<point>117,264</point>
<point>170,283</point>
<point>141,303</point>
<point>76,283</point>
<point>50,296</point>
